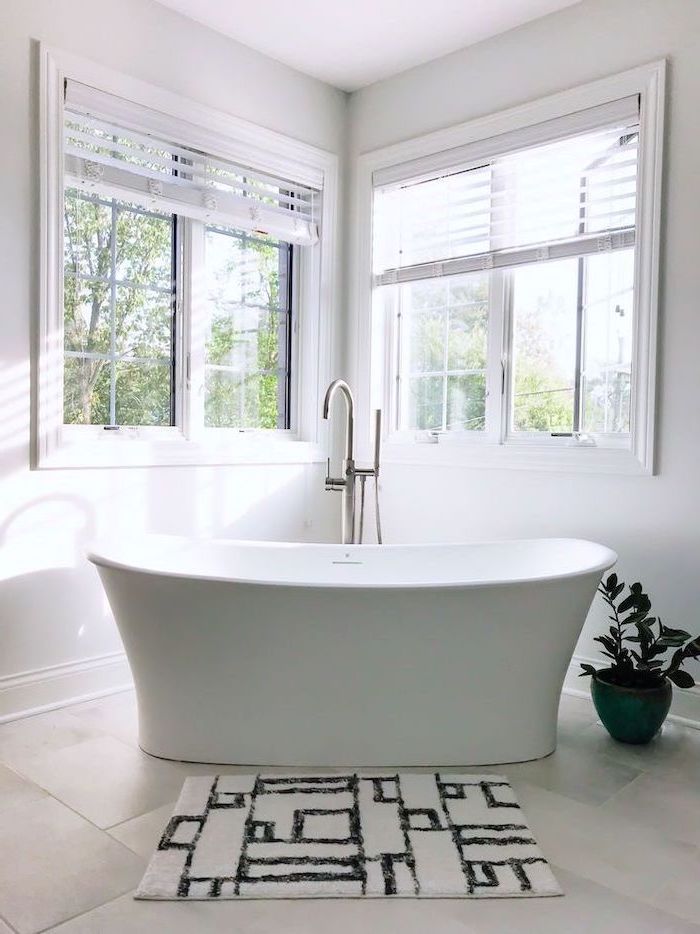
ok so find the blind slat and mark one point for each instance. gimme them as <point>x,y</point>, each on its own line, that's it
<point>111,159</point>
<point>557,198</point>
<point>223,209</point>
<point>505,259</point>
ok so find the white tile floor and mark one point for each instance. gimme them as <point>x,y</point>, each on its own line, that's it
<point>81,808</point>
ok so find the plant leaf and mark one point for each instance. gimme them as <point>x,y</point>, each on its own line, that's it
<point>588,671</point>
<point>682,679</point>
<point>692,649</point>
<point>676,633</point>
<point>627,603</point>
<point>609,644</point>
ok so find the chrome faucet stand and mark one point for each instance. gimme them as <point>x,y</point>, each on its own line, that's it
<point>347,484</point>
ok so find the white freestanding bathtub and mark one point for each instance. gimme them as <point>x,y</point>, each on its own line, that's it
<point>301,654</point>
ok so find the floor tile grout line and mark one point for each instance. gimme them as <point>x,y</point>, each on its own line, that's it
<point>4,920</point>
<point>642,774</point>
<point>27,778</point>
<point>80,914</point>
<point>642,899</point>
<point>104,830</point>
<point>128,820</point>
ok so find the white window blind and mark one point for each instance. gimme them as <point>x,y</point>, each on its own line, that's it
<point>123,151</point>
<point>558,192</point>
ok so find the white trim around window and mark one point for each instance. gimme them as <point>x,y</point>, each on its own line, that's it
<point>374,367</point>
<point>55,445</point>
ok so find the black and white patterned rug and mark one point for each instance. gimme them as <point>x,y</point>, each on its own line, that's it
<point>340,836</point>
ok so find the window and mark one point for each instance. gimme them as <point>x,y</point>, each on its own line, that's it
<point>514,280</point>
<point>556,224</point>
<point>185,315</point>
<point>121,286</point>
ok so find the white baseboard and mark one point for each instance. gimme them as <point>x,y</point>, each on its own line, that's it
<point>33,692</point>
<point>685,708</point>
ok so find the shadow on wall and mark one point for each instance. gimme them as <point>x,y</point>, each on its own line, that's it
<point>49,607</point>
<point>52,606</point>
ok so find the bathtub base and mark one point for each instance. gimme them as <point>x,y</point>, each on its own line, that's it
<point>348,765</point>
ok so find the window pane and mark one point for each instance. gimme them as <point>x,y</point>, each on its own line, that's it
<point>86,323</point>
<point>544,346</point>
<point>142,394</point>
<point>247,331</point>
<point>608,342</point>
<point>118,338</point>
<point>466,402</point>
<point>426,340</point>
<point>467,336</point>
<point>143,324</point>
<point>444,338</point>
<point>87,229</point>
<point>144,249</point>
<point>86,391</point>
<point>425,402</point>
<point>235,401</point>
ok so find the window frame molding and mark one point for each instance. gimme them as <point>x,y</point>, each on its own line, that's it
<point>370,356</point>
<point>54,445</point>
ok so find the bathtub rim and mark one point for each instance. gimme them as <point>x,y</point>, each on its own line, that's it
<point>99,556</point>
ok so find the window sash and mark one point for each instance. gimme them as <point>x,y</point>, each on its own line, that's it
<point>286,310</point>
<point>187,363</point>
<point>112,357</point>
<point>500,375</point>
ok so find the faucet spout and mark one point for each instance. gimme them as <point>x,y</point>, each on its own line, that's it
<point>339,385</point>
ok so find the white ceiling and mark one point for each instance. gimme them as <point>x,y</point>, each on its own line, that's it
<point>352,43</point>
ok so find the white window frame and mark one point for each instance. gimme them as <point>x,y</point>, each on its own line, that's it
<point>55,445</point>
<point>373,367</point>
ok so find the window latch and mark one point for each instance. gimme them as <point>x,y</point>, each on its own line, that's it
<point>432,436</point>
<point>577,438</point>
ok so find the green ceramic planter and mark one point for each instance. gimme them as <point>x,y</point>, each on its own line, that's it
<point>630,715</point>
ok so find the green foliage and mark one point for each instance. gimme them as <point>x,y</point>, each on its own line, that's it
<point>540,404</point>
<point>141,326</point>
<point>542,396</point>
<point>247,337</point>
<point>637,642</point>
<point>448,332</point>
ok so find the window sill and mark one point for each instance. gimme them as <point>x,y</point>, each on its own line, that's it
<point>126,452</point>
<point>515,456</point>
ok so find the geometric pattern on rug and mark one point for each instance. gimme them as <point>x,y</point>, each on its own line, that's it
<point>406,834</point>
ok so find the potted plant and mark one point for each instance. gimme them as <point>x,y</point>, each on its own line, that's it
<point>633,694</point>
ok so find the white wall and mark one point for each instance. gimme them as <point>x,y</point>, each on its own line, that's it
<point>654,523</point>
<point>52,611</point>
